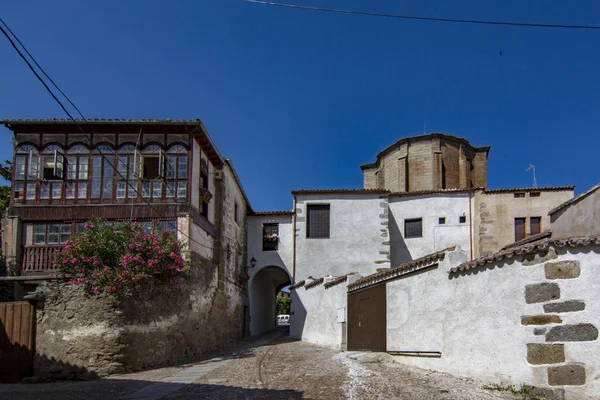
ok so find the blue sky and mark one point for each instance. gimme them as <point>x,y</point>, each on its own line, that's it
<point>299,99</point>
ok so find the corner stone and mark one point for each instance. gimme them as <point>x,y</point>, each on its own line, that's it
<point>541,292</point>
<point>572,333</point>
<point>570,374</point>
<point>562,270</point>
<point>545,353</point>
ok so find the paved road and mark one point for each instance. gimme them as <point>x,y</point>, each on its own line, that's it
<point>269,367</point>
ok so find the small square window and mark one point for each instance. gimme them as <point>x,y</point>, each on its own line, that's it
<point>462,219</point>
<point>534,194</point>
<point>317,221</point>
<point>413,228</point>
<point>236,211</point>
<point>519,195</point>
<point>442,220</point>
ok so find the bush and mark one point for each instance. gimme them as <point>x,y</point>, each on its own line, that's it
<point>114,258</point>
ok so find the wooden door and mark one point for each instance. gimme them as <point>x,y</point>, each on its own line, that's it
<point>367,328</point>
<point>16,340</point>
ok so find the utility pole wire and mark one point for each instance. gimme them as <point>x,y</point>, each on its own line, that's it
<point>75,121</point>
<point>421,18</point>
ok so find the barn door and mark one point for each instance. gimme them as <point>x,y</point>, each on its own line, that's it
<point>16,340</point>
<point>367,319</point>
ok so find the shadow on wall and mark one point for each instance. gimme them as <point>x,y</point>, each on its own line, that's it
<point>129,388</point>
<point>399,252</point>
<point>298,317</point>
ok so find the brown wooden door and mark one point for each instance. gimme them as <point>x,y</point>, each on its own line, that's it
<point>367,327</point>
<point>16,340</point>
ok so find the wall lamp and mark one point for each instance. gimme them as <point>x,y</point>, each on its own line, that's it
<point>252,262</point>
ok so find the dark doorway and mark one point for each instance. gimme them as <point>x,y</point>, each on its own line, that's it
<point>367,319</point>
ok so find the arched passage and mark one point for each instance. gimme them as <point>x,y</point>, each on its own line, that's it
<point>264,286</point>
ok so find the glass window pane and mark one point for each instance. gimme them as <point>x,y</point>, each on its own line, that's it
<point>53,234</point>
<point>182,171</point>
<point>65,232</point>
<point>19,187</point>
<point>132,190</point>
<point>171,165</point>
<point>71,167</point>
<point>39,234</point>
<point>82,190</point>
<point>122,167</point>
<point>121,186</point>
<point>181,189</point>
<point>157,190</point>
<point>96,176</point>
<point>83,167</point>
<point>56,190</point>
<point>79,227</point>
<point>147,225</point>
<point>145,189</point>
<point>171,226</point>
<point>70,190</point>
<point>30,191</point>
<point>107,183</point>
<point>44,190</point>
<point>170,189</point>
<point>20,167</point>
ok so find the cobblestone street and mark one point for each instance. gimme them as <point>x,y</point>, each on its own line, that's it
<point>269,367</point>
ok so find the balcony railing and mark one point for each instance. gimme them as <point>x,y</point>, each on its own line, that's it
<point>38,260</point>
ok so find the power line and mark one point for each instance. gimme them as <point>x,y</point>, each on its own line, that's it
<point>73,119</point>
<point>421,18</point>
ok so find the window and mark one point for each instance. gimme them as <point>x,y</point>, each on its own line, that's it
<point>53,163</point>
<point>30,194</point>
<point>535,225</point>
<point>442,220</point>
<point>519,229</point>
<point>102,177</point>
<point>236,210</point>
<point>413,228</point>
<point>534,194</point>
<point>170,225</point>
<point>462,219</point>
<point>317,221</point>
<point>270,237</point>
<point>51,233</point>
<point>519,195</point>
<point>203,188</point>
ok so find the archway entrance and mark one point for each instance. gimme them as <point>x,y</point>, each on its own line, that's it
<point>264,286</point>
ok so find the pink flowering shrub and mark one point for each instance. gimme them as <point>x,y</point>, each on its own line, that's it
<point>113,258</point>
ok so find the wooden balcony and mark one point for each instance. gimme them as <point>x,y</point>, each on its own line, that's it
<point>38,260</point>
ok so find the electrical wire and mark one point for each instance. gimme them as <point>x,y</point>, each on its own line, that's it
<point>422,18</point>
<point>75,121</point>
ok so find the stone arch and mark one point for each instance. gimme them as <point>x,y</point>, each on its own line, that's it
<point>264,286</point>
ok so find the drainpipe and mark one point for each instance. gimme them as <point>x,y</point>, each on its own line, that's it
<point>470,225</point>
<point>294,242</point>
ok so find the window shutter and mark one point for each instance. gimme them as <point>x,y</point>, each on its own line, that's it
<point>318,222</point>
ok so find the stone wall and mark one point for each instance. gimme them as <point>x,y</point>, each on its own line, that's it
<point>156,324</point>
<point>531,320</point>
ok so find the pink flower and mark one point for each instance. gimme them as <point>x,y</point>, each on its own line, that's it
<point>95,290</point>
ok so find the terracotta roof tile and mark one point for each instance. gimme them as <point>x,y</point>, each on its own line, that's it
<point>433,192</point>
<point>259,213</point>
<point>530,248</point>
<point>400,270</point>
<point>99,121</point>
<point>340,191</point>
<point>574,199</point>
<point>530,239</point>
<point>538,189</point>
<point>338,280</point>
<point>297,285</point>
<point>314,283</point>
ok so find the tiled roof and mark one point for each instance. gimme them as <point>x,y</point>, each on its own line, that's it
<point>340,191</point>
<point>574,241</point>
<point>538,189</point>
<point>574,199</point>
<point>338,280</point>
<point>400,270</point>
<point>432,135</point>
<point>433,192</point>
<point>314,283</point>
<point>101,121</point>
<point>529,239</point>
<point>297,285</point>
<point>259,213</point>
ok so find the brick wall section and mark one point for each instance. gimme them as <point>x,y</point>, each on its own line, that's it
<point>450,158</point>
<point>369,179</point>
<point>420,161</point>
<point>479,175</point>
